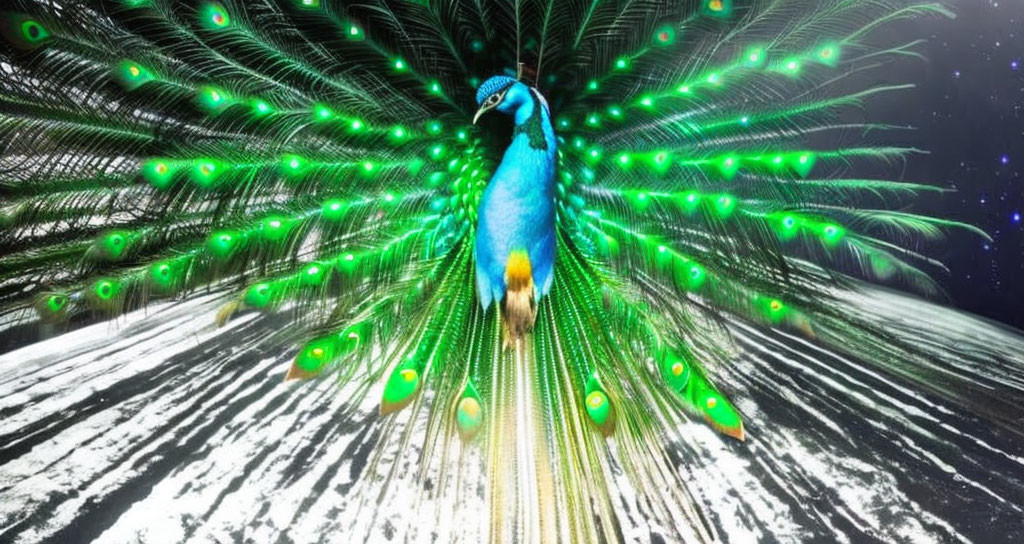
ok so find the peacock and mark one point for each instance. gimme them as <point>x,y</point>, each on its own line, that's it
<point>520,225</point>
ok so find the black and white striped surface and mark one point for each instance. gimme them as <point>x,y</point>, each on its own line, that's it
<point>161,429</point>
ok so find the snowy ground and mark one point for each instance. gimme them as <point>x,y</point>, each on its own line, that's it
<point>160,429</point>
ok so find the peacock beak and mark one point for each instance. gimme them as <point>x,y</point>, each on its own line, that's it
<point>483,109</point>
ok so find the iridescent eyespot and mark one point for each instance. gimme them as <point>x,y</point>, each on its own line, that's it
<point>718,8</point>
<point>53,306</point>
<point>56,303</point>
<point>213,16</point>
<point>24,32</point>
<point>33,31</point>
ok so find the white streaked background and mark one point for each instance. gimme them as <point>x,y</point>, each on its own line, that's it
<point>160,428</point>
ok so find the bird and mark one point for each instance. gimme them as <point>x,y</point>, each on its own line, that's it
<point>548,286</point>
<point>515,234</point>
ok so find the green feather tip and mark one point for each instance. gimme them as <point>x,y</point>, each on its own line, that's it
<point>469,414</point>
<point>599,406</point>
<point>401,387</point>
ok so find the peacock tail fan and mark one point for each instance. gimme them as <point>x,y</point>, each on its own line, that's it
<point>317,159</point>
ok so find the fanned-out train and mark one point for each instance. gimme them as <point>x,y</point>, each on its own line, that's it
<point>309,271</point>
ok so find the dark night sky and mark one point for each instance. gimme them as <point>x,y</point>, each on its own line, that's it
<point>968,111</point>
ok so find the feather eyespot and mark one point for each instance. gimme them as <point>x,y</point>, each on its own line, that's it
<point>23,31</point>
<point>33,31</point>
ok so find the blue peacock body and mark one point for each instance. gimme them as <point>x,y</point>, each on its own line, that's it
<point>551,304</point>
<point>517,211</point>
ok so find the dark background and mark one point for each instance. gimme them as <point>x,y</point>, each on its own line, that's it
<point>967,113</point>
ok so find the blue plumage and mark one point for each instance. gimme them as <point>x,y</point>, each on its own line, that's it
<point>517,211</point>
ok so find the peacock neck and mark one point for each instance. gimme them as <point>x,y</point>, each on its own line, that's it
<point>528,165</point>
<point>533,122</point>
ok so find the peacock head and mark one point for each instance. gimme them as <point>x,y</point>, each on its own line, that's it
<point>502,93</point>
